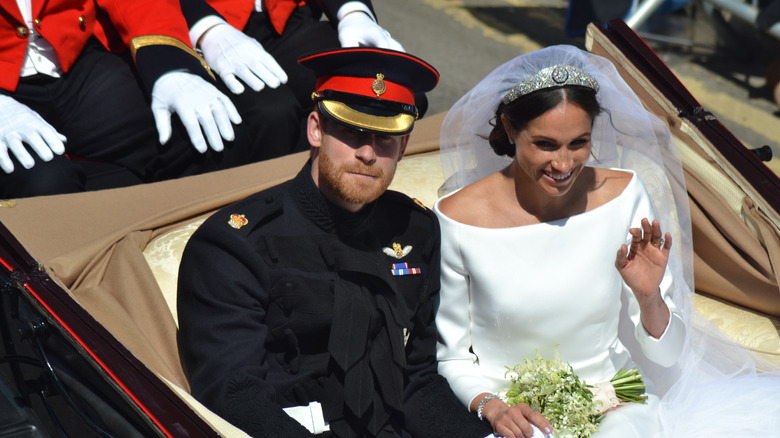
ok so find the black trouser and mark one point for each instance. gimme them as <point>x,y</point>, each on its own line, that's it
<point>106,116</point>
<point>304,33</point>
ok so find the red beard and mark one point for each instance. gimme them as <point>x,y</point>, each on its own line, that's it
<point>353,191</point>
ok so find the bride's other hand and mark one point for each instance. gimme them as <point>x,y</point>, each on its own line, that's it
<point>515,421</point>
<point>642,267</point>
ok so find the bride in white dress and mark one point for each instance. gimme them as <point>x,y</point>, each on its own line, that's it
<point>558,185</point>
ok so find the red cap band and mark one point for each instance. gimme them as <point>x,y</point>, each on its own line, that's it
<point>366,87</point>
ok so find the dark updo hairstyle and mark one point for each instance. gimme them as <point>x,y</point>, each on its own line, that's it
<point>524,109</point>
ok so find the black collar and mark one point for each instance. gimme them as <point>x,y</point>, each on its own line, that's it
<point>325,214</point>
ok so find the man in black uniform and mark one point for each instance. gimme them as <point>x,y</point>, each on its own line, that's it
<point>315,299</point>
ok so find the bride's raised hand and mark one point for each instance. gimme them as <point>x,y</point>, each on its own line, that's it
<point>642,265</point>
<point>515,421</point>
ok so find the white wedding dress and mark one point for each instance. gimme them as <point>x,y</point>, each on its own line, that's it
<point>510,292</point>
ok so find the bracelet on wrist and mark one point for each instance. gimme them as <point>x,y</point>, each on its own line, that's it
<point>484,402</point>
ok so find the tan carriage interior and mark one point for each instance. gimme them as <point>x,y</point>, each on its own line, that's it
<point>117,251</point>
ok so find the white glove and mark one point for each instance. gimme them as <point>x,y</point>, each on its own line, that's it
<point>232,53</point>
<point>358,29</point>
<point>19,125</point>
<point>198,104</point>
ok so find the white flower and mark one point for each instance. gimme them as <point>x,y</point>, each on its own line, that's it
<point>552,388</point>
<point>527,379</point>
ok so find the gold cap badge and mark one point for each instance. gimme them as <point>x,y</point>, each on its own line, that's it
<point>237,220</point>
<point>378,86</point>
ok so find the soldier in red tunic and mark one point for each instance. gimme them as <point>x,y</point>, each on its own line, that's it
<point>97,81</point>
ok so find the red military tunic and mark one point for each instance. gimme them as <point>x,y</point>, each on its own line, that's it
<point>67,25</point>
<point>237,12</point>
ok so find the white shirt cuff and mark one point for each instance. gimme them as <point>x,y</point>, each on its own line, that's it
<point>198,29</point>
<point>350,7</point>
<point>310,417</point>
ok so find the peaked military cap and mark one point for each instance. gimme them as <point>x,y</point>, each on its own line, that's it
<point>370,89</point>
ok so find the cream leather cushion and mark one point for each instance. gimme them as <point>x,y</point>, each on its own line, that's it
<point>419,177</point>
<point>757,332</point>
<point>163,254</point>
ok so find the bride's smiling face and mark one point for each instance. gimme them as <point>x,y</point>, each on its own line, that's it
<point>552,149</point>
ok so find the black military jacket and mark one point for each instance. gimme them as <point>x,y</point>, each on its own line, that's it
<point>285,299</point>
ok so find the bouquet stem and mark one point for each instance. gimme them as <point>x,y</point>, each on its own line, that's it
<point>629,386</point>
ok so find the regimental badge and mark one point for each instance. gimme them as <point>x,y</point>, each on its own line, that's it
<point>397,251</point>
<point>404,269</point>
<point>237,220</point>
<point>378,86</point>
<point>406,336</point>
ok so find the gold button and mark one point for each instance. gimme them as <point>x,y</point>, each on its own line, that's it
<point>22,32</point>
<point>83,22</point>
<point>37,22</point>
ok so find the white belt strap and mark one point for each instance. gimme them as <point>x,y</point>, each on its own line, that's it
<point>309,416</point>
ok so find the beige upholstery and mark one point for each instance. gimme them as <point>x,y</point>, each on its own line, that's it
<point>759,333</point>
<point>163,254</point>
<point>420,177</point>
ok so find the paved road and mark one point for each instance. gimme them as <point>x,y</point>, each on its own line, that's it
<point>722,66</point>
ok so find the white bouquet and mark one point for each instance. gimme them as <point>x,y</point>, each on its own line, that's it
<point>551,388</point>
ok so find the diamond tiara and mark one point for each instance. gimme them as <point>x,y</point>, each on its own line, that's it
<point>555,76</point>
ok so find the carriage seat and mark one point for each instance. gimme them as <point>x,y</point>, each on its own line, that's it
<point>420,176</point>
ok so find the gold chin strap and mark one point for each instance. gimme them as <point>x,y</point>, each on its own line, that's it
<point>163,40</point>
<point>397,124</point>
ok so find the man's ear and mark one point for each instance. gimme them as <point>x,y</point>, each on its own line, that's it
<point>314,129</point>
<point>402,150</point>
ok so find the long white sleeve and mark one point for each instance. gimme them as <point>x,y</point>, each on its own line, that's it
<point>666,349</point>
<point>453,321</point>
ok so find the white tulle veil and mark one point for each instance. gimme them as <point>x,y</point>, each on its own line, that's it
<point>624,136</point>
<point>628,136</point>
